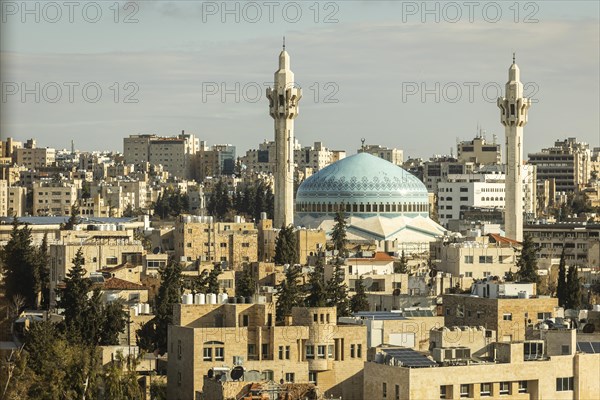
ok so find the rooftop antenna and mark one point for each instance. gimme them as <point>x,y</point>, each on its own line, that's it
<point>514,57</point>
<point>362,143</point>
<point>284,43</point>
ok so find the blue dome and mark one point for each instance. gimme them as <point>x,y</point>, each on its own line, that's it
<point>363,183</point>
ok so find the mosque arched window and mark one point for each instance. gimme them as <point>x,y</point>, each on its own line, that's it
<point>362,207</point>
<point>368,207</point>
<point>329,207</point>
<point>354,207</point>
<point>348,207</point>
<point>387,207</point>
<point>394,207</point>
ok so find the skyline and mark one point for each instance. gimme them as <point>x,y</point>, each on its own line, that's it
<point>371,61</point>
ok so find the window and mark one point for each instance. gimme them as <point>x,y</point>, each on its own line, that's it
<point>397,392</point>
<point>207,356</point>
<point>460,310</point>
<point>544,316</point>
<point>565,350</point>
<point>266,375</point>
<point>464,390</point>
<point>469,274</point>
<point>464,198</point>
<point>310,352</point>
<point>321,351</point>
<point>504,387</point>
<point>351,351</point>
<point>533,350</point>
<point>485,259</point>
<point>179,349</point>
<point>221,244</point>
<point>522,386</point>
<point>384,389</point>
<point>486,389</point>
<point>245,320</point>
<point>507,317</point>
<point>312,377</point>
<point>443,392</point>
<point>468,259</point>
<point>219,354</point>
<point>251,351</point>
<point>290,377</point>
<point>564,384</point>
<point>359,351</point>
<point>265,350</point>
<point>329,351</point>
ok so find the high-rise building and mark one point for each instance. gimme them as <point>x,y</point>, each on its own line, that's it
<point>514,117</point>
<point>218,160</point>
<point>283,107</point>
<point>31,156</point>
<point>568,163</point>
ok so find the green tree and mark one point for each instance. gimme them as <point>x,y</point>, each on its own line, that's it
<point>245,285</point>
<point>289,294</point>
<point>43,267</point>
<point>286,251</point>
<point>573,293</point>
<point>120,379</point>
<point>561,285</point>
<point>74,300</point>
<point>527,261</point>
<point>22,264</point>
<point>318,290</point>
<point>73,219</point>
<point>359,302</point>
<point>153,335</point>
<point>402,266</point>
<point>338,234</point>
<point>114,322</point>
<point>338,292</point>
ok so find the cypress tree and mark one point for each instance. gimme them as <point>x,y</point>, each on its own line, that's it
<point>318,291</point>
<point>169,294</point>
<point>246,285</point>
<point>338,293</point>
<point>359,301</point>
<point>289,294</point>
<point>527,261</point>
<point>561,286</point>
<point>573,295</point>
<point>338,234</point>
<point>285,246</point>
<point>402,266</point>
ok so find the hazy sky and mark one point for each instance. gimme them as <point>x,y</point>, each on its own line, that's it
<point>412,75</point>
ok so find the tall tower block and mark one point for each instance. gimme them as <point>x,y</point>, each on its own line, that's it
<point>283,107</point>
<point>513,115</point>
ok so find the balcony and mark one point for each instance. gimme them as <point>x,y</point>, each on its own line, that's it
<point>319,364</point>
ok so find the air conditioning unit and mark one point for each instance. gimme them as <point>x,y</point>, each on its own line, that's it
<point>462,353</point>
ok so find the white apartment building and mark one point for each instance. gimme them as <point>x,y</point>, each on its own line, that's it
<point>481,190</point>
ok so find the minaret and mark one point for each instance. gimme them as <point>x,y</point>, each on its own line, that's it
<point>514,117</point>
<point>283,107</point>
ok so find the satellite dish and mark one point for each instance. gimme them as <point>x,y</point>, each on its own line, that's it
<point>368,283</point>
<point>237,373</point>
<point>156,250</point>
<point>211,373</point>
<point>396,292</point>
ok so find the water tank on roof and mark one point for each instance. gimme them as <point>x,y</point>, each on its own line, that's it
<point>241,300</point>
<point>146,308</point>
<point>222,298</point>
<point>211,298</point>
<point>187,299</point>
<point>596,307</point>
<point>523,294</point>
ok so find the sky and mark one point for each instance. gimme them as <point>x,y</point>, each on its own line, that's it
<point>407,74</point>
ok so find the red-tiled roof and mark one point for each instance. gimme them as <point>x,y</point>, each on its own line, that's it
<point>121,284</point>
<point>379,256</point>
<point>503,240</point>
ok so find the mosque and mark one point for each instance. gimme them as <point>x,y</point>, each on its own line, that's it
<point>384,203</point>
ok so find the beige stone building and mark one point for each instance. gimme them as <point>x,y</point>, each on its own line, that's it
<point>311,347</point>
<point>393,155</point>
<point>479,151</point>
<point>31,156</point>
<point>509,317</point>
<point>511,375</point>
<point>201,239</point>
<point>100,249</point>
<point>54,198</point>
<point>478,259</point>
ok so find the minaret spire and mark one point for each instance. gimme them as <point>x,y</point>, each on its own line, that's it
<point>283,108</point>
<point>513,115</point>
<point>513,51</point>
